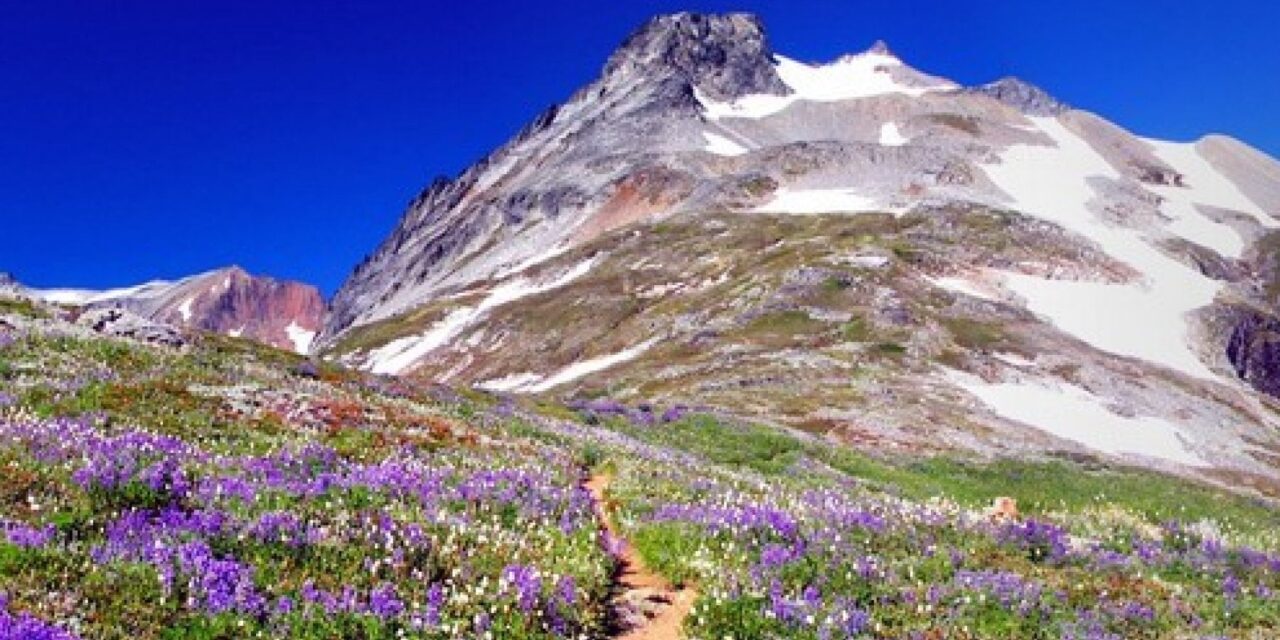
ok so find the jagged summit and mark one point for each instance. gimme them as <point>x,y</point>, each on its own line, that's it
<point>1023,96</point>
<point>880,47</point>
<point>725,56</point>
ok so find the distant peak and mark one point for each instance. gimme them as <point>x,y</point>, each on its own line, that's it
<point>1023,96</point>
<point>880,48</point>
<point>725,56</point>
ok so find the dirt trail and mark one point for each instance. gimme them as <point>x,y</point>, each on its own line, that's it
<point>664,608</point>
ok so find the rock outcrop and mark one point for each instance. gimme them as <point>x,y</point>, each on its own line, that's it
<point>1023,96</point>
<point>1254,350</point>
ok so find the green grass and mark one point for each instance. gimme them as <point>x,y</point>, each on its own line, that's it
<point>667,548</point>
<point>857,329</point>
<point>786,323</point>
<point>760,448</point>
<point>19,307</point>
<point>1038,487</point>
<point>976,334</point>
<point>1061,486</point>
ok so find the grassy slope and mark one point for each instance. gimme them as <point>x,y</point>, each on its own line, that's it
<point>698,460</point>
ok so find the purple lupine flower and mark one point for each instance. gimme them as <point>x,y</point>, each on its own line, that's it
<point>435,604</point>
<point>28,537</point>
<point>854,621</point>
<point>384,602</point>
<point>567,591</point>
<point>24,626</point>
<point>674,413</point>
<point>1041,541</point>
<point>1231,586</point>
<point>526,583</point>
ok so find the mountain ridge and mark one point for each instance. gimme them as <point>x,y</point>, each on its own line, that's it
<point>281,313</point>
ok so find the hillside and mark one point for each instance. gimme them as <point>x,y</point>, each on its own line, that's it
<point>223,489</point>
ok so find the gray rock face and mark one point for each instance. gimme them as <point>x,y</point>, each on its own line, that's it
<point>123,323</point>
<point>726,57</point>
<point>1254,351</point>
<point>1023,96</point>
<point>570,162</point>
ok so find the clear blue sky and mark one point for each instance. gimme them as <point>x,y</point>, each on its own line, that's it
<point>156,139</point>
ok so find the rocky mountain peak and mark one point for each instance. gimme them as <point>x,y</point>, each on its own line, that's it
<point>725,56</point>
<point>1024,96</point>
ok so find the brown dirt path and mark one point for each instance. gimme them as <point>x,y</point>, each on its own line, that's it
<point>637,582</point>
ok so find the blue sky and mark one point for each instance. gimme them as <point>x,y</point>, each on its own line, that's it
<point>144,140</point>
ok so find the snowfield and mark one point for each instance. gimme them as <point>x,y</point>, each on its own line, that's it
<point>858,76</point>
<point>1204,186</point>
<point>399,355</point>
<point>1145,319</point>
<point>802,201</point>
<point>1071,413</point>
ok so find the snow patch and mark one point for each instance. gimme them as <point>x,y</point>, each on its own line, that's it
<point>660,290</point>
<point>721,145</point>
<point>185,309</point>
<point>1072,413</point>
<point>532,261</point>
<point>1204,186</point>
<point>963,286</point>
<point>890,136</point>
<point>819,201</point>
<point>1146,319</point>
<point>584,367</point>
<point>300,337</point>
<point>510,383</point>
<point>869,262</point>
<point>861,76</point>
<point>87,296</point>
<point>398,355</point>
<point>1014,359</point>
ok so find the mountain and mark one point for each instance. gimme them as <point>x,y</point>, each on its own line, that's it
<point>229,301</point>
<point>856,249</point>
